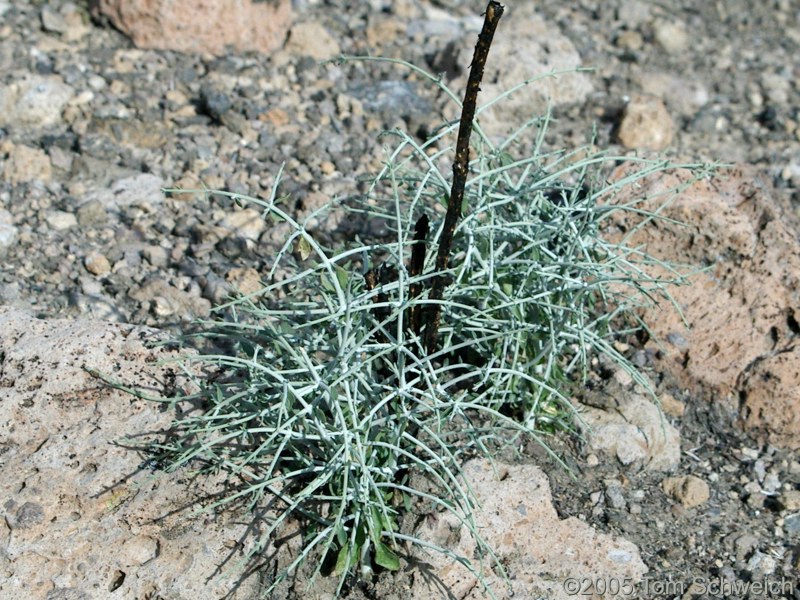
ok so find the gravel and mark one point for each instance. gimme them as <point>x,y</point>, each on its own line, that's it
<point>92,129</point>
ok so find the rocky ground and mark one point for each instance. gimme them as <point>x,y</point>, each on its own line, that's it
<point>91,130</point>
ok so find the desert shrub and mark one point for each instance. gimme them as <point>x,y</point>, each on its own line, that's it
<point>327,405</point>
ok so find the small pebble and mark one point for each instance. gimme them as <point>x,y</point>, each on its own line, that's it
<point>646,124</point>
<point>791,524</point>
<point>214,102</point>
<point>671,406</point>
<point>614,494</point>
<point>771,483</point>
<point>751,453</point>
<point>8,232</point>
<point>247,224</point>
<point>790,500</point>
<point>671,36</point>
<point>744,545</point>
<point>60,220</point>
<point>761,564</point>
<point>760,469</point>
<point>689,490</point>
<point>96,263</point>
<point>245,280</point>
<point>156,256</point>
<point>26,164</point>
<point>630,40</point>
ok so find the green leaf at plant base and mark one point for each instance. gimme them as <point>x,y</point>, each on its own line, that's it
<point>345,560</point>
<point>342,277</point>
<point>341,536</point>
<point>383,522</point>
<point>385,558</point>
<point>407,502</point>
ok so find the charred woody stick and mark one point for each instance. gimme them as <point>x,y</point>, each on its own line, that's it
<point>460,168</point>
<point>415,270</point>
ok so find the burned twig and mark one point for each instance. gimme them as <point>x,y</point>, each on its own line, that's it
<point>460,168</point>
<point>415,270</point>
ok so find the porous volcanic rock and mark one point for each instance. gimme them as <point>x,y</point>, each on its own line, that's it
<point>741,311</point>
<point>85,515</point>
<point>203,26</point>
<point>542,554</point>
<point>82,515</point>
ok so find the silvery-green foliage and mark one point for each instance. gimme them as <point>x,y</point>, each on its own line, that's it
<point>327,409</point>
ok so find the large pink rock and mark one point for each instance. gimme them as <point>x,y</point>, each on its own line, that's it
<point>542,554</point>
<point>742,312</point>
<point>203,26</point>
<point>82,515</point>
